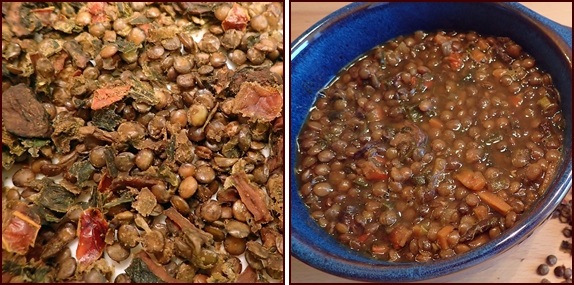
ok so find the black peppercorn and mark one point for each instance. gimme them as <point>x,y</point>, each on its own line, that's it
<point>551,260</point>
<point>542,269</point>
<point>559,271</point>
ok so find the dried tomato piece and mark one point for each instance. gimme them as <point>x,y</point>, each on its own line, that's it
<point>106,96</point>
<point>134,181</point>
<point>20,232</point>
<point>237,18</point>
<point>59,62</point>
<point>92,228</point>
<point>258,102</point>
<point>98,11</point>
<point>252,196</point>
<point>249,275</point>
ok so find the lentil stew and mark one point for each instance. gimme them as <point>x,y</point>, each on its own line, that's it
<point>430,145</point>
<point>142,142</point>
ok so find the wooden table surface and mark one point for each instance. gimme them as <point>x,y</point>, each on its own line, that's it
<point>517,265</point>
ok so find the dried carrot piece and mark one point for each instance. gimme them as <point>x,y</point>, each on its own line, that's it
<point>515,100</point>
<point>495,202</point>
<point>399,236</point>
<point>481,212</point>
<point>379,248</point>
<point>442,236</point>
<point>479,240</point>
<point>454,61</point>
<point>470,179</point>
<point>372,172</point>
<point>435,123</point>
<point>477,55</point>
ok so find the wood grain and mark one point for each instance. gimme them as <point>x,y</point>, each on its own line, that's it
<point>516,265</point>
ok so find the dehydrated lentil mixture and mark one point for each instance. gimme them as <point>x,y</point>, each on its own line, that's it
<point>430,145</point>
<point>147,135</point>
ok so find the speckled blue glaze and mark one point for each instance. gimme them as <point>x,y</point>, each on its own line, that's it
<point>319,54</point>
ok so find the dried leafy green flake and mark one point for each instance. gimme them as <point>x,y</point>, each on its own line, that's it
<point>140,273</point>
<point>24,66</point>
<point>54,196</point>
<point>110,163</point>
<point>142,94</point>
<point>34,272</point>
<point>15,147</point>
<point>217,277</point>
<point>169,176</point>
<point>20,18</point>
<point>183,148</point>
<point>53,47</point>
<point>106,119</point>
<point>151,74</point>
<point>138,19</point>
<point>126,197</point>
<point>68,10</point>
<point>125,46</point>
<point>64,25</point>
<point>170,150</point>
<point>89,43</point>
<point>66,129</point>
<point>11,141</point>
<point>34,145</point>
<point>124,9</point>
<point>47,216</point>
<point>145,202</point>
<point>7,160</point>
<point>162,33</point>
<point>190,28</point>
<point>82,170</point>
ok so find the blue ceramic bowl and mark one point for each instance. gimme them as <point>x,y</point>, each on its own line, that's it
<point>319,54</point>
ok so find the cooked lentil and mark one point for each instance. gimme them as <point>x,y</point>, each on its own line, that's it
<point>448,137</point>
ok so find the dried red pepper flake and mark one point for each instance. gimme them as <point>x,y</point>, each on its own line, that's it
<point>104,97</point>
<point>105,183</point>
<point>20,232</point>
<point>92,228</point>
